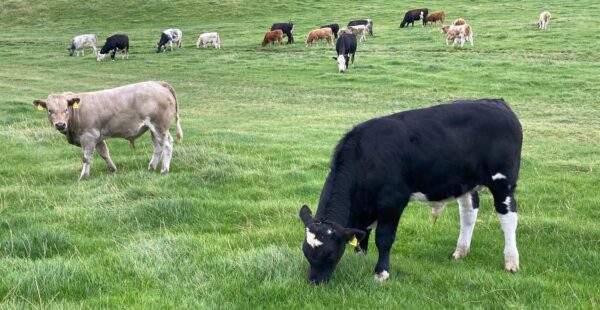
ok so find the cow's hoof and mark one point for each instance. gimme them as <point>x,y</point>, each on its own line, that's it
<point>381,277</point>
<point>83,177</point>
<point>460,252</point>
<point>164,171</point>
<point>112,169</point>
<point>151,168</point>
<point>511,264</point>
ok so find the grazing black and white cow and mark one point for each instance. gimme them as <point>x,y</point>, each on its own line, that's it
<point>411,16</point>
<point>287,28</point>
<point>169,36</point>
<point>80,42</point>
<point>117,42</point>
<point>335,28</point>
<point>366,22</point>
<point>434,155</point>
<point>346,48</point>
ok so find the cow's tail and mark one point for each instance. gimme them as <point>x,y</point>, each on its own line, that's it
<point>177,124</point>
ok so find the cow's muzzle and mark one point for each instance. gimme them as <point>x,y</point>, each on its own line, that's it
<point>60,126</point>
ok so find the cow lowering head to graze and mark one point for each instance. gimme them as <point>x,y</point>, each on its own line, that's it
<point>272,36</point>
<point>359,30</point>
<point>434,155</point>
<point>460,33</point>
<point>169,36</point>
<point>346,49</point>
<point>413,15</point>
<point>544,20</point>
<point>117,42</point>
<point>335,28</point>
<point>435,17</point>
<point>319,34</point>
<point>209,38</point>
<point>79,43</point>
<point>367,22</point>
<point>87,119</point>
<point>287,28</point>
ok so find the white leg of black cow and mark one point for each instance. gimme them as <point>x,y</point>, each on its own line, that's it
<point>468,209</point>
<point>87,151</point>
<point>102,149</point>
<point>167,152</point>
<point>508,222</point>
<point>436,210</point>
<point>157,142</point>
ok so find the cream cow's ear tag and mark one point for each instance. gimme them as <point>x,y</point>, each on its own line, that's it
<point>353,242</point>
<point>76,105</point>
<point>39,107</point>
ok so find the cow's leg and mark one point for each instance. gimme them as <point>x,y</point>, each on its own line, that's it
<point>171,45</point>
<point>364,243</point>
<point>157,141</point>
<point>82,52</point>
<point>468,208</point>
<point>506,210</point>
<point>87,151</point>
<point>167,152</point>
<point>95,51</point>
<point>102,149</point>
<point>390,205</point>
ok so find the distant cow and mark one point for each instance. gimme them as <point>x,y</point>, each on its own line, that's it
<point>118,42</point>
<point>458,33</point>
<point>434,155</point>
<point>87,119</point>
<point>359,30</point>
<point>544,20</point>
<point>287,28</point>
<point>335,28</point>
<point>411,16</point>
<point>319,34</point>
<point>367,22</point>
<point>346,49</point>
<point>79,43</point>
<point>209,38</point>
<point>272,36</point>
<point>435,17</point>
<point>169,36</point>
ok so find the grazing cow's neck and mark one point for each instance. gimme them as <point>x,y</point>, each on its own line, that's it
<point>334,204</point>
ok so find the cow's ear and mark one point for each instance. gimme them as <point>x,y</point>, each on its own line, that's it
<point>39,104</point>
<point>348,234</point>
<point>73,101</point>
<point>305,215</point>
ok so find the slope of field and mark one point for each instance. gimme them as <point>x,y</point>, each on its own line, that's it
<point>221,230</point>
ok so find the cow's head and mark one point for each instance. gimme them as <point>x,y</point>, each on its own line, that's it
<point>158,48</point>
<point>324,245</point>
<point>57,107</point>
<point>445,29</point>
<point>342,63</point>
<point>100,56</point>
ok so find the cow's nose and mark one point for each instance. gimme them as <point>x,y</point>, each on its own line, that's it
<point>60,126</point>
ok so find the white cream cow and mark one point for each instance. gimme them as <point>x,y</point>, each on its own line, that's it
<point>544,20</point>
<point>209,38</point>
<point>79,43</point>
<point>87,119</point>
<point>359,30</point>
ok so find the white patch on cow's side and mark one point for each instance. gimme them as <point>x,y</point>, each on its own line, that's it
<point>508,222</point>
<point>507,202</point>
<point>498,176</point>
<point>312,240</point>
<point>373,225</point>
<point>382,276</point>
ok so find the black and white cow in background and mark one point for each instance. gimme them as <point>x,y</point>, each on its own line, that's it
<point>117,42</point>
<point>346,48</point>
<point>366,22</point>
<point>411,16</point>
<point>434,155</point>
<point>169,36</point>
<point>335,28</point>
<point>287,28</point>
<point>79,43</point>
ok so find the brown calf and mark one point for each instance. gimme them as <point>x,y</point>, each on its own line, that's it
<point>272,36</point>
<point>319,34</point>
<point>434,17</point>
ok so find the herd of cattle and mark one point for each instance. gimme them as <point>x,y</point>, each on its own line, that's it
<point>376,169</point>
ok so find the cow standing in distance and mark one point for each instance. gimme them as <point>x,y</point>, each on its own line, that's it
<point>359,30</point>
<point>433,18</point>
<point>79,43</point>
<point>88,119</point>
<point>319,34</point>
<point>433,155</point>
<point>209,38</point>
<point>411,16</point>
<point>169,36</point>
<point>460,33</point>
<point>367,22</point>
<point>287,29</point>
<point>272,36</point>
<point>117,42</point>
<point>335,28</point>
<point>346,49</point>
<point>544,20</point>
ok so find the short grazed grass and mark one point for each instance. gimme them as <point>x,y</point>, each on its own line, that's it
<point>221,229</point>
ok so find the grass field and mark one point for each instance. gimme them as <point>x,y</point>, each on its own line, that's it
<point>221,230</point>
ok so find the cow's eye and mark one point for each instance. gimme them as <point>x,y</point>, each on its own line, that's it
<point>50,111</point>
<point>66,110</point>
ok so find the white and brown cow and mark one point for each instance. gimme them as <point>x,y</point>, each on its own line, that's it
<point>87,119</point>
<point>460,33</point>
<point>544,20</point>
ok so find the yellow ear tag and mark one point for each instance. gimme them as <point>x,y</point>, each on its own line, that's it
<point>39,107</point>
<point>353,242</point>
<point>76,105</point>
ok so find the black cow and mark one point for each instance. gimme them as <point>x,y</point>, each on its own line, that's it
<point>412,15</point>
<point>114,43</point>
<point>287,28</point>
<point>367,22</point>
<point>434,155</point>
<point>334,27</point>
<point>346,49</point>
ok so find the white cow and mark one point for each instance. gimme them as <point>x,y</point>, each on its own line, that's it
<point>209,38</point>
<point>358,30</point>
<point>169,36</point>
<point>544,20</point>
<point>79,43</point>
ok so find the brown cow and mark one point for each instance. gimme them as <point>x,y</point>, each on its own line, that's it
<point>434,17</point>
<point>87,119</point>
<point>272,36</point>
<point>319,34</point>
